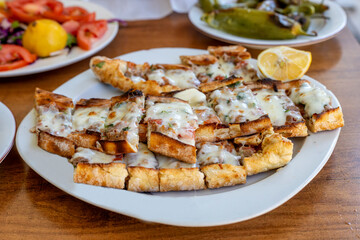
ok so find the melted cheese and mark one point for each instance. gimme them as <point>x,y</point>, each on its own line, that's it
<point>276,105</point>
<point>210,153</point>
<point>53,121</point>
<point>235,105</point>
<point>125,116</point>
<point>137,79</point>
<point>177,120</point>
<point>192,96</point>
<point>172,163</point>
<point>91,156</point>
<point>90,118</point>
<point>176,77</point>
<point>143,158</point>
<point>315,99</point>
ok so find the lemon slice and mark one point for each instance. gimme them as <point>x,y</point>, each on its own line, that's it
<point>284,63</point>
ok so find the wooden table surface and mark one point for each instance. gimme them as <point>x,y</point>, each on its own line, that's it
<point>327,208</point>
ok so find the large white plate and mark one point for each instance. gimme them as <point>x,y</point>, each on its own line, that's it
<point>7,131</point>
<point>325,29</point>
<point>76,54</point>
<point>262,192</point>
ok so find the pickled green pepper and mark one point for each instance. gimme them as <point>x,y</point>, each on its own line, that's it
<point>253,23</point>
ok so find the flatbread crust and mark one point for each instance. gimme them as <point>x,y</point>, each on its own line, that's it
<point>111,175</point>
<point>58,145</point>
<point>182,179</point>
<point>112,71</point>
<point>143,179</point>
<point>222,175</point>
<point>276,151</point>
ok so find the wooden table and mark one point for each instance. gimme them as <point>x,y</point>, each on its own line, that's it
<point>327,208</point>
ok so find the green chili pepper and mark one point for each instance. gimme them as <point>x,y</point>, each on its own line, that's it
<point>254,23</point>
<point>208,5</point>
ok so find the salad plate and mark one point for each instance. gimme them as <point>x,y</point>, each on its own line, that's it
<point>326,29</point>
<point>76,54</point>
<point>262,192</point>
<point>7,131</point>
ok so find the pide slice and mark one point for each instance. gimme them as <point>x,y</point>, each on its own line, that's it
<point>220,164</point>
<point>143,170</point>
<point>89,122</point>
<point>96,168</point>
<point>284,115</point>
<point>171,127</point>
<point>121,132</point>
<point>238,108</point>
<point>175,175</point>
<point>151,79</point>
<point>274,151</point>
<point>316,106</point>
<point>54,122</point>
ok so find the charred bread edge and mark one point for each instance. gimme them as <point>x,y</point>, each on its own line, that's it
<point>167,146</point>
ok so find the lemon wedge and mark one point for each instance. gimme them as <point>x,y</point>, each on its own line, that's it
<point>284,63</point>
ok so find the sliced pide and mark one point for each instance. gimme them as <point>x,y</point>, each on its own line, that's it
<point>284,115</point>
<point>121,133</point>
<point>152,80</point>
<point>220,164</point>
<point>316,106</point>
<point>143,170</point>
<point>96,168</point>
<point>89,122</point>
<point>273,152</point>
<point>171,127</point>
<point>238,108</point>
<point>175,175</point>
<point>54,122</point>
<point>210,127</point>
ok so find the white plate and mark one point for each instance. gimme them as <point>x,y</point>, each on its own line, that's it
<point>262,192</point>
<point>325,29</point>
<point>76,54</point>
<point>7,131</point>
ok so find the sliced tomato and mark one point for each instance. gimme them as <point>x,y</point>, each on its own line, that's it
<point>90,32</point>
<point>31,10</point>
<point>71,26</point>
<point>14,56</point>
<point>74,13</point>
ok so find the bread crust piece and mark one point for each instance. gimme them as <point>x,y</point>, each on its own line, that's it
<point>211,86</point>
<point>112,71</point>
<point>182,179</point>
<point>222,175</point>
<point>106,175</point>
<point>143,179</point>
<point>236,51</point>
<point>328,120</point>
<point>43,97</point>
<point>297,129</point>
<point>170,147</point>
<point>58,145</point>
<point>276,151</point>
<point>86,140</point>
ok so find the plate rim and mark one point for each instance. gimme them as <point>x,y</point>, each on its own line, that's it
<point>186,201</point>
<point>261,43</point>
<point>11,124</point>
<point>105,43</point>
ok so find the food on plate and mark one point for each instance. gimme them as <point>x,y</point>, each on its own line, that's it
<point>175,175</point>
<point>171,126</point>
<point>97,168</point>
<point>143,170</point>
<point>284,63</point>
<point>221,164</point>
<point>274,151</point>
<point>44,36</point>
<point>186,139</point>
<point>225,65</point>
<point>13,57</point>
<point>54,114</point>
<point>262,19</point>
<point>46,27</point>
